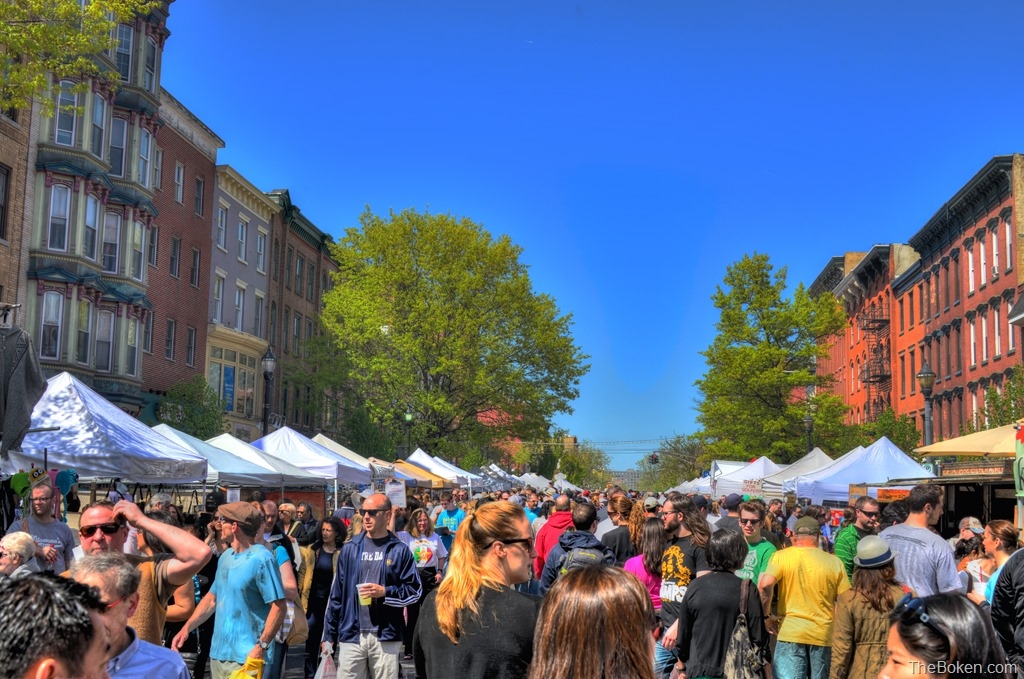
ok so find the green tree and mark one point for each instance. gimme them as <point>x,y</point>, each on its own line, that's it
<point>585,465</point>
<point>900,430</point>
<point>436,316</point>
<point>58,39</point>
<point>680,458</point>
<point>754,395</point>
<point>193,407</point>
<point>1001,407</point>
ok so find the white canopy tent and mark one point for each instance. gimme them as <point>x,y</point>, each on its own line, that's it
<point>746,479</point>
<point>440,468</point>
<point>503,474</point>
<point>379,470</point>
<point>880,462</point>
<point>771,486</point>
<point>291,446</point>
<point>96,439</point>
<point>723,467</point>
<point>249,452</point>
<point>223,467</point>
<point>789,484</point>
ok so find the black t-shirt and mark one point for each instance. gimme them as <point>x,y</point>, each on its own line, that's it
<point>680,564</point>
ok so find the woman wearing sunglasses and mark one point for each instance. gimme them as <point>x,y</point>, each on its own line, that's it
<point>943,635</point>
<point>475,625</point>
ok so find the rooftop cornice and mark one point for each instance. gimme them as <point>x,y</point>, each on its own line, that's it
<point>242,190</point>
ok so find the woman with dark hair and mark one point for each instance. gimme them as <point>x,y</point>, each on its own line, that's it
<point>475,625</point>
<point>617,539</point>
<point>999,541</point>
<point>601,598</point>
<point>862,613</point>
<point>646,565</point>
<point>543,512</point>
<point>943,635</point>
<point>712,605</point>
<point>430,554</point>
<point>316,586</point>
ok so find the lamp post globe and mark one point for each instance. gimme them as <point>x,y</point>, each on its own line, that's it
<point>408,432</point>
<point>926,380</point>
<point>269,364</point>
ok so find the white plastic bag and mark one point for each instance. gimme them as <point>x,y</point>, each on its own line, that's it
<point>326,670</point>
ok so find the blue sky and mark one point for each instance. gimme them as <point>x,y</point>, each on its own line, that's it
<point>633,149</point>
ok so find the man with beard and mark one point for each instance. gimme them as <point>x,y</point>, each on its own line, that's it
<point>683,560</point>
<point>55,542</point>
<point>865,523</point>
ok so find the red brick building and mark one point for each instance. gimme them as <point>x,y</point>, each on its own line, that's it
<point>15,206</point>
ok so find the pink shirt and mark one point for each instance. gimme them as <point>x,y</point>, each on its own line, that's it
<point>651,582</point>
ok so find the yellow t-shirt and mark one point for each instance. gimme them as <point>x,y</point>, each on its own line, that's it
<point>808,582</point>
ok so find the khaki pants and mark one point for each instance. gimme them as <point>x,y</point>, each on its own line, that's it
<point>371,658</point>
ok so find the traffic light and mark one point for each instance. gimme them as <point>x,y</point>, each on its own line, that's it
<point>653,458</point>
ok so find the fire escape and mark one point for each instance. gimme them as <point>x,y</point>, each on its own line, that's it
<point>876,372</point>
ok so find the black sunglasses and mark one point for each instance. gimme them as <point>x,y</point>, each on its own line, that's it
<point>910,609</point>
<point>371,512</point>
<point>870,515</point>
<point>514,541</point>
<point>749,522</point>
<point>107,528</point>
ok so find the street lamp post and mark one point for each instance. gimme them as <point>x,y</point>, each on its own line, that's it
<point>809,427</point>
<point>269,363</point>
<point>408,433</point>
<point>926,380</point>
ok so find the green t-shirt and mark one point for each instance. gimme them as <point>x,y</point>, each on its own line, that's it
<point>756,561</point>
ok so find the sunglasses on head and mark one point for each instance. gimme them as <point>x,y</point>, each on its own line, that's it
<point>107,528</point>
<point>911,610</point>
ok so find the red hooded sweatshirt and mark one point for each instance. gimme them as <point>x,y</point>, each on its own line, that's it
<point>547,538</point>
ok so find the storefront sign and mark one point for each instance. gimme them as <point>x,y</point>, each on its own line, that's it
<point>892,494</point>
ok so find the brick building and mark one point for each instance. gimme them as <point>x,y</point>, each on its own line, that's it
<point>92,214</point>
<point>16,150</point>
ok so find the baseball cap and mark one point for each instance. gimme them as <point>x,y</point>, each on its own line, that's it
<point>973,524</point>
<point>807,525</point>
<point>700,501</point>
<point>651,503</point>
<point>733,501</point>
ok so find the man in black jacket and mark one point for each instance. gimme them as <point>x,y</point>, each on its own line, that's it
<point>577,547</point>
<point>1008,609</point>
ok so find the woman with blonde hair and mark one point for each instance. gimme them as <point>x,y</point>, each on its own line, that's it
<point>601,598</point>
<point>475,625</point>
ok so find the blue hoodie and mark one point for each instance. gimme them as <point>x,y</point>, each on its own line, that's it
<point>401,588</point>
<point>569,540</point>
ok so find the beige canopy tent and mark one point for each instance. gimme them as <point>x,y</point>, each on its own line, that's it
<point>998,442</point>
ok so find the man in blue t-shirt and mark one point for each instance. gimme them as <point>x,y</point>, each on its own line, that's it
<point>449,517</point>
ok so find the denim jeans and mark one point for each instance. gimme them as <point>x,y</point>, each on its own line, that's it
<point>801,661</point>
<point>664,659</point>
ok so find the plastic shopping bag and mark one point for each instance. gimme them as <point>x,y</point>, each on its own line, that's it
<point>326,670</point>
<point>252,669</point>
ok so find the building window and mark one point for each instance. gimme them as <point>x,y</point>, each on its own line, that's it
<point>179,182</point>
<point>913,373</point>
<point>299,262</point>
<point>151,256</point>
<point>309,336</point>
<point>60,207</point>
<point>239,307</point>
<point>997,340</point>
<point>138,238</point>
<point>277,256</point>
<point>261,252</point>
<point>982,260</point>
<point>288,268</point>
<point>149,78</point>
<point>99,124</point>
<point>232,375</point>
<point>970,270</point>
<point>111,241</point>
<point>193,276</point>
<point>132,359</point>
<point>175,256</point>
<point>169,340</point>
<point>104,340</point>
<point>1009,328</point>
<point>910,309</point>
<point>297,332</point>
<point>956,280</point>
<point>959,350</point>
<point>218,298</point>
<point>158,173</point>
<point>5,180</point>
<point>900,305</point>
<point>995,255</point>
<point>310,281</point>
<point>118,135</point>
<point>257,316</point>
<point>147,334</point>
<point>286,328</point>
<point>273,323</point>
<point>190,346</point>
<point>974,342</point>
<point>200,187</point>
<point>145,140</point>
<point>92,215</point>
<point>67,114</point>
<point>984,337</point>
<point>123,51</point>
<point>222,223</point>
<point>903,376</point>
<point>243,236</point>
<point>1008,228</point>
<point>84,332</point>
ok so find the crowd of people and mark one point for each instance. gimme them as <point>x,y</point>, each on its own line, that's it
<point>524,583</point>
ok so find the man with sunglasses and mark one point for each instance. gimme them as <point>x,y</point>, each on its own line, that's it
<point>865,523</point>
<point>103,527</point>
<point>55,542</point>
<point>375,579</point>
<point>760,550</point>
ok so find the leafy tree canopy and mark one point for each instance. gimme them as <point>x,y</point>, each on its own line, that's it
<point>680,458</point>
<point>59,37</point>
<point>193,407</point>
<point>585,465</point>
<point>434,315</point>
<point>754,396</point>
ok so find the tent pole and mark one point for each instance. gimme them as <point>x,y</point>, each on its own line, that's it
<point>335,494</point>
